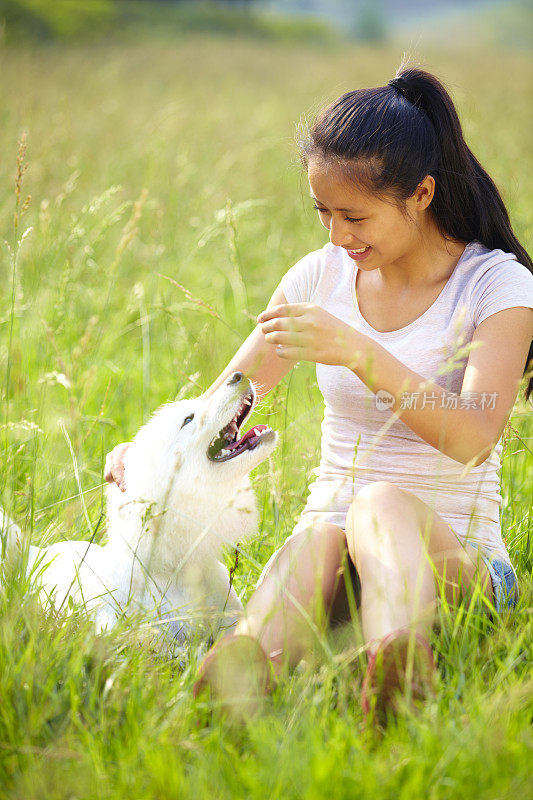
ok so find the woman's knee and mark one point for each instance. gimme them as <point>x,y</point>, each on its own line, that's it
<point>317,548</point>
<point>380,497</point>
<point>376,519</point>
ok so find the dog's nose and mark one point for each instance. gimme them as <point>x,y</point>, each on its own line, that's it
<point>235,378</point>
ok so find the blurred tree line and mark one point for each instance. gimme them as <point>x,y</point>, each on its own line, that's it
<point>65,19</point>
<point>71,19</point>
<point>60,19</point>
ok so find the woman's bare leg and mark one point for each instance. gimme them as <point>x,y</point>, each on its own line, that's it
<point>390,534</point>
<point>287,611</point>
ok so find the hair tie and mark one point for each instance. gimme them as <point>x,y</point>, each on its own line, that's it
<point>401,86</point>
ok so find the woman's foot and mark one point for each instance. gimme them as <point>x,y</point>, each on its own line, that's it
<point>402,663</point>
<point>238,673</point>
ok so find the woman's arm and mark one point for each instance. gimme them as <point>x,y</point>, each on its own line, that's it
<point>257,359</point>
<point>463,426</point>
<point>467,425</point>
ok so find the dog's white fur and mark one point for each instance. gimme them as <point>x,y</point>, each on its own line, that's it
<point>165,533</point>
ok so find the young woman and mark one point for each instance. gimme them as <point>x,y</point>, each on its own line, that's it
<point>418,314</point>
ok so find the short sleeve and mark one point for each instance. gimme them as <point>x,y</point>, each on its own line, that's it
<point>506,284</point>
<point>300,282</point>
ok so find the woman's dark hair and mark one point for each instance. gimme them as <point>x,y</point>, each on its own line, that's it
<point>390,137</point>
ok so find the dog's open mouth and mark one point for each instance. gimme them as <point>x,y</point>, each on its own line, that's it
<point>227,445</point>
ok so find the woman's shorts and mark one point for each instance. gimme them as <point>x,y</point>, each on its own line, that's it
<point>503,577</point>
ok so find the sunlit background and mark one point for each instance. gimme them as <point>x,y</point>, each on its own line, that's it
<point>151,198</point>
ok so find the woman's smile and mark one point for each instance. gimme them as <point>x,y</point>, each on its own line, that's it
<point>360,254</point>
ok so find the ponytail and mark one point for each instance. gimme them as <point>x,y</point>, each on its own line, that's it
<point>395,135</point>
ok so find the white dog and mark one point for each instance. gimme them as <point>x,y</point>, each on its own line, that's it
<point>187,494</point>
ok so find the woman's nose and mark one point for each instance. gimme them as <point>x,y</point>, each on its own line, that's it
<point>338,234</point>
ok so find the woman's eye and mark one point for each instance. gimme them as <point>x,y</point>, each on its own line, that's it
<point>187,420</point>
<point>325,211</point>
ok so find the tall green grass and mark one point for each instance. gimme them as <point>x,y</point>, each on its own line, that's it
<point>156,160</point>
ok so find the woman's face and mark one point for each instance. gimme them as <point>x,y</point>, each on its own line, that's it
<point>374,232</point>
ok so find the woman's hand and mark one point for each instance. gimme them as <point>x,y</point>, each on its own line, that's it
<point>114,466</point>
<point>303,331</point>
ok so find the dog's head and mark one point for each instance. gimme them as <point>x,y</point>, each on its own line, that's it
<point>191,456</point>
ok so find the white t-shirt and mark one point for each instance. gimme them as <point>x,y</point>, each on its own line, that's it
<point>359,443</point>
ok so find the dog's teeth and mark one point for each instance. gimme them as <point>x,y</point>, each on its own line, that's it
<point>247,402</point>
<point>224,452</point>
<point>257,432</point>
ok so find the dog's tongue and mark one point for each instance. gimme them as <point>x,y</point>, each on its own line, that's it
<point>249,437</point>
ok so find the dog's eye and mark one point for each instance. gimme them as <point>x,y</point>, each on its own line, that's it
<point>187,420</point>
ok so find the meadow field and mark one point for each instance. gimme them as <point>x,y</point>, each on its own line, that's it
<point>147,159</point>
